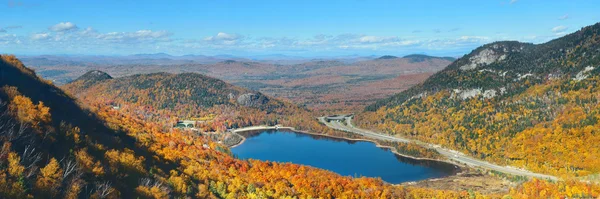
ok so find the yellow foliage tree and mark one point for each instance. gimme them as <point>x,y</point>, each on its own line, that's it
<point>152,192</point>
<point>50,178</point>
<point>126,160</point>
<point>14,167</point>
<point>26,111</point>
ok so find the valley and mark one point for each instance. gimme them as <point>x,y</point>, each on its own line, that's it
<point>327,85</point>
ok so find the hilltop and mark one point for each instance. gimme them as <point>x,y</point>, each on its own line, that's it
<point>421,58</point>
<point>513,103</point>
<point>92,77</point>
<point>387,57</point>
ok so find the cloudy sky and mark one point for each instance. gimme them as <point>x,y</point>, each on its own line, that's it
<point>299,28</point>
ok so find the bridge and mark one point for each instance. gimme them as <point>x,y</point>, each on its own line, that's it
<point>185,124</point>
<point>337,117</point>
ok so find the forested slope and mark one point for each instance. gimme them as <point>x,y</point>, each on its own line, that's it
<point>526,105</point>
<point>164,98</point>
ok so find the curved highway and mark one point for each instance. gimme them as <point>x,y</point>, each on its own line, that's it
<point>347,126</point>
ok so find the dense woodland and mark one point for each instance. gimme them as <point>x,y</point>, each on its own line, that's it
<point>543,114</point>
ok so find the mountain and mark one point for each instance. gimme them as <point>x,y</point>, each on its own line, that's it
<point>504,62</point>
<point>519,104</point>
<point>275,57</point>
<point>164,90</point>
<point>387,57</point>
<point>417,57</point>
<point>92,77</point>
<point>153,56</point>
<point>421,58</point>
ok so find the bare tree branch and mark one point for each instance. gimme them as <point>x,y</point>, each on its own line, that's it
<point>70,166</point>
<point>103,189</point>
<point>29,160</point>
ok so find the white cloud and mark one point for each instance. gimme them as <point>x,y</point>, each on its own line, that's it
<point>453,43</point>
<point>88,31</point>
<point>223,37</point>
<point>129,37</point>
<point>559,29</point>
<point>355,41</point>
<point>564,17</point>
<point>40,36</point>
<point>9,38</point>
<point>63,26</point>
<point>513,1</point>
<point>88,39</point>
<point>376,39</point>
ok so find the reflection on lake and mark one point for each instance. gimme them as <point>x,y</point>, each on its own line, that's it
<point>348,158</point>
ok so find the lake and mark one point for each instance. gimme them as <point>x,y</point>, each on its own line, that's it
<point>345,157</point>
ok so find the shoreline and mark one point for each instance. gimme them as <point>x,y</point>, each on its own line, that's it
<point>377,144</point>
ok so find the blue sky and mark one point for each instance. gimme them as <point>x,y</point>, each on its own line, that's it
<point>299,28</point>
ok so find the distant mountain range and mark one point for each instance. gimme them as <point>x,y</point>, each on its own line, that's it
<point>165,59</point>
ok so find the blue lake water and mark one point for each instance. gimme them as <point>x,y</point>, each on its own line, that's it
<point>348,158</point>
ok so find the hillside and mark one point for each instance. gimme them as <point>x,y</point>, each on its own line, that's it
<point>166,98</point>
<point>526,105</point>
<point>53,147</point>
<point>163,90</point>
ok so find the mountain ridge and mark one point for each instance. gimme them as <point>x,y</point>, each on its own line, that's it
<point>521,58</point>
<point>512,103</point>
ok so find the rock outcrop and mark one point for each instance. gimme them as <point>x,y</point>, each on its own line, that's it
<point>252,99</point>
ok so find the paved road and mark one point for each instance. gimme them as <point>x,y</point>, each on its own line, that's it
<point>347,126</point>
